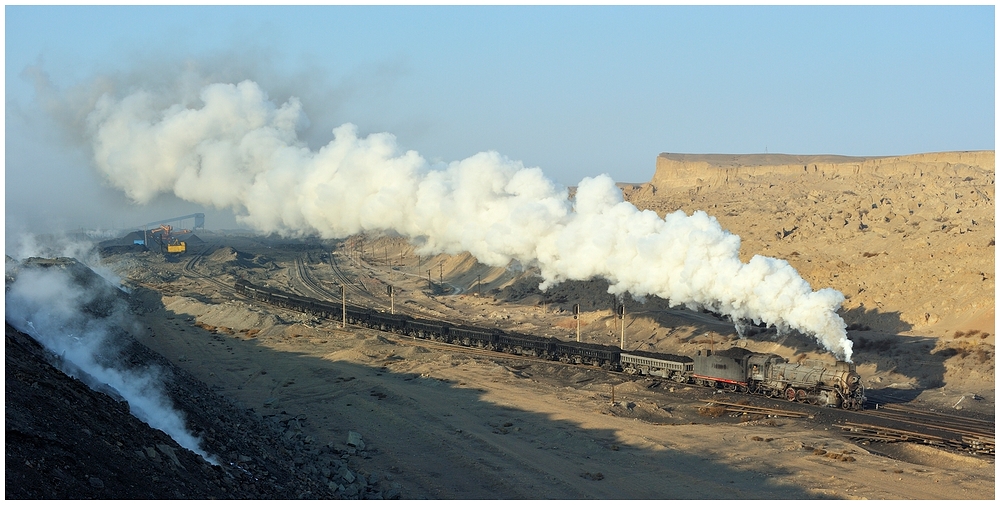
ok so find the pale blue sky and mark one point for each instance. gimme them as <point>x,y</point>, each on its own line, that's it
<point>577,91</point>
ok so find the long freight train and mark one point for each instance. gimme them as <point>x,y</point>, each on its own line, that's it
<point>734,369</point>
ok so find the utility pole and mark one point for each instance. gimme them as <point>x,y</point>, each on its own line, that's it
<point>343,306</point>
<point>392,306</point>
<point>621,310</point>
<point>388,265</point>
<point>576,315</point>
<point>480,285</point>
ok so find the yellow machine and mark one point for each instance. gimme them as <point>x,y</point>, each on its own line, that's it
<point>162,235</point>
<point>177,247</point>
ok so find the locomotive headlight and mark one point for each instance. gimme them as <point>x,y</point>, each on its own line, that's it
<point>853,379</point>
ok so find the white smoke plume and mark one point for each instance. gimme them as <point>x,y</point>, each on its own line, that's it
<point>21,245</point>
<point>53,308</point>
<point>235,148</point>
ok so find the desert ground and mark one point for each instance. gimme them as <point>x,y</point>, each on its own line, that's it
<point>908,240</point>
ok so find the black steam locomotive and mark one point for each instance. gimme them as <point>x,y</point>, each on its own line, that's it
<point>735,369</point>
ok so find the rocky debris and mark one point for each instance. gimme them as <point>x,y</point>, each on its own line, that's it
<point>354,440</point>
<point>142,267</point>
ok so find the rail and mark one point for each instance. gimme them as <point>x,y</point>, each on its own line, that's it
<point>739,408</point>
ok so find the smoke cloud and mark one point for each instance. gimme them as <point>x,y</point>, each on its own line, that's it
<point>234,148</point>
<point>76,319</point>
<point>22,245</point>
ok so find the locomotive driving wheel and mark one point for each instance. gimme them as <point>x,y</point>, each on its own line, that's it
<point>801,396</point>
<point>790,394</point>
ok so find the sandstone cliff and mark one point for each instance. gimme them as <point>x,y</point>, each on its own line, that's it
<point>692,170</point>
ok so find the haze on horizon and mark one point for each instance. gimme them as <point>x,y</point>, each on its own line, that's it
<point>577,91</point>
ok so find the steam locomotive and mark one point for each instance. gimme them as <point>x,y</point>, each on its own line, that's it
<point>735,369</point>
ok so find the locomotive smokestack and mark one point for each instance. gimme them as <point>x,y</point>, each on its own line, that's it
<point>236,149</point>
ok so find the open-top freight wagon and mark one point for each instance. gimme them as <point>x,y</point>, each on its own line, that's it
<point>735,369</point>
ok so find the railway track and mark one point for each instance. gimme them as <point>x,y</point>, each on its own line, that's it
<point>959,424</point>
<point>355,288</point>
<point>902,423</point>
<point>189,268</point>
<point>317,290</point>
<point>890,423</point>
<point>359,290</point>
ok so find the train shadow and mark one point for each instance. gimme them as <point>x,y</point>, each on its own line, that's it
<point>862,318</point>
<point>443,438</point>
<point>918,359</point>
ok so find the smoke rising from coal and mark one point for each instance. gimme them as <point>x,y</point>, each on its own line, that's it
<point>77,323</point>
<point>234,148</point>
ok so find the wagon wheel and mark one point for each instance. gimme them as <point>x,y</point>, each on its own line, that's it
<point>790,394</point>
<point>733,387</point>
<point>801,396</point>
<point>847,404</point>
<point>744,389</point>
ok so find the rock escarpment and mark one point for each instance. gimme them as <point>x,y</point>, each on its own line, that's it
<point>713,170</point>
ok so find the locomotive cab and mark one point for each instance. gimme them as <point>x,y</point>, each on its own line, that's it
<point>759,365</point>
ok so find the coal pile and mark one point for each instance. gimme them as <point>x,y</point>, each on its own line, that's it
<point>65,440</point>
<point>124,244</point>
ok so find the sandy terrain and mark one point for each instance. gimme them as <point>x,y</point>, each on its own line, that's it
<point>909,240</point>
